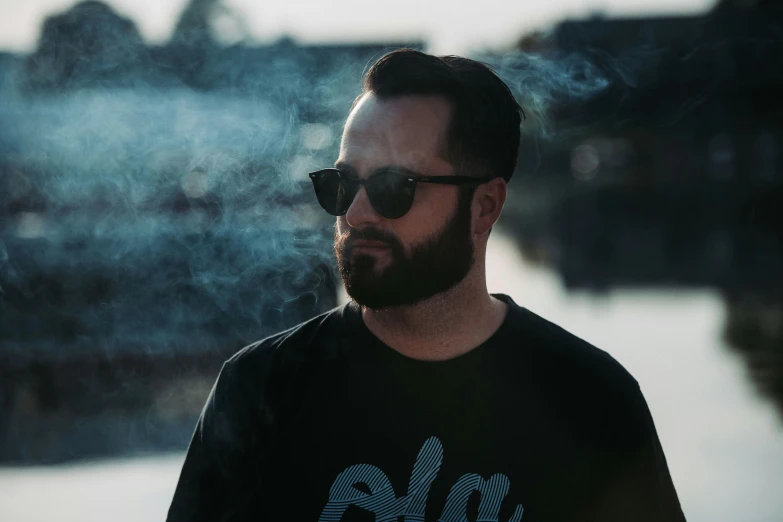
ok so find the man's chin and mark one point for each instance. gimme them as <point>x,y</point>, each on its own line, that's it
<point>373,296</point>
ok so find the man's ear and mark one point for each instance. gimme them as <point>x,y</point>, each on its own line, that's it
<point>488,201</point>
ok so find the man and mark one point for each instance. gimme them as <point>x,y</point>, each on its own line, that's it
<point>425,397</point>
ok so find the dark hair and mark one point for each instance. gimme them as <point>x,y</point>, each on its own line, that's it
<point>483,135</point>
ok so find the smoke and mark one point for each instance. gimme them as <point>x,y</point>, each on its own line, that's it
<point>171,216</point>
<point>158,196</point>
<point>542,83</point>
<point>155,219</point>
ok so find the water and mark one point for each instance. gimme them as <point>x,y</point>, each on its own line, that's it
<point>137,490</point>
<point>723,444</point>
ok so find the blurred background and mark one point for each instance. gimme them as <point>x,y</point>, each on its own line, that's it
<point>156,216</point>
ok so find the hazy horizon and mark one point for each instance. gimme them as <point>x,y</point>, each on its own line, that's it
<point>445,28</point>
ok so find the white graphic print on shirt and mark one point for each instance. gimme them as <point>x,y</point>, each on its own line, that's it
<point>382,501</point>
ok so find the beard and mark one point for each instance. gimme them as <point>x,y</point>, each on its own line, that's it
<point>434,266</point>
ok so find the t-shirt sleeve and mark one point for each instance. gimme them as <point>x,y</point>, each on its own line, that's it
<point>222,473</point>
<point>633,478</point>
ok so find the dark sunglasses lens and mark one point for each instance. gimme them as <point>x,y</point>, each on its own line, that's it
<point>334,195</point>
<point>391,194</point>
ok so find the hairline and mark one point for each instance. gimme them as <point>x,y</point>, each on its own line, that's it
<point>443,139</point>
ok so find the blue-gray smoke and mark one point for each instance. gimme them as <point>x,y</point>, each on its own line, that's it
<point>155,219</point>
<point>172,217</point>
<point>542,83</point>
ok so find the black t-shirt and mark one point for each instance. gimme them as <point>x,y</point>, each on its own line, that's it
<point>324,422</point>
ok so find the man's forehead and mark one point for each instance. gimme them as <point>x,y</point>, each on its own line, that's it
<point>410,110</point>
<point>405,130</point>
<point>361,154</point>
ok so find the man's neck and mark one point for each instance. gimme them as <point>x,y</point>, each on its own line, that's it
<point>440,328</point>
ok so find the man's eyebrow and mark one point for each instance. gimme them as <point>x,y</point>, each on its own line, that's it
<point>342,165</point>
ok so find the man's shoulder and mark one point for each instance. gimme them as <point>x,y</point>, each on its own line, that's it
<point>295,341</point>
<point>569,356</point>
<point>590,389</point>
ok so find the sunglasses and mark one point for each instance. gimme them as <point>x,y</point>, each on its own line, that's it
<point>390,191</point>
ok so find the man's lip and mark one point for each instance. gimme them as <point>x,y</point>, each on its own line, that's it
<point>371,244</point>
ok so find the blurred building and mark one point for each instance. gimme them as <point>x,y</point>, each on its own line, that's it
<point>671,176</point>
<point>155,217</point>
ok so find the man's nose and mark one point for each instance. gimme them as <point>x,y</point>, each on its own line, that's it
<point>361,211</point>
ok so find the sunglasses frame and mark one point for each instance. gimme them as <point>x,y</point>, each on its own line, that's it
<point>440,180</point>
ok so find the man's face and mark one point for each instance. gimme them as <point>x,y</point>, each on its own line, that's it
<point>430,249</point>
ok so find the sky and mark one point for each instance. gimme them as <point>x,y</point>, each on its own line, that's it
<point>446,26</point>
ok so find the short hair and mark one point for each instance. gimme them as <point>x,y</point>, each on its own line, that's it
<point>483,134</point>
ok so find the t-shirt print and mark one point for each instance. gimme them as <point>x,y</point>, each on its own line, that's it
<point>378,497</point>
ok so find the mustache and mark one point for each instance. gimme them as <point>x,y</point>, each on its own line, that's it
<point>368,235</point>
